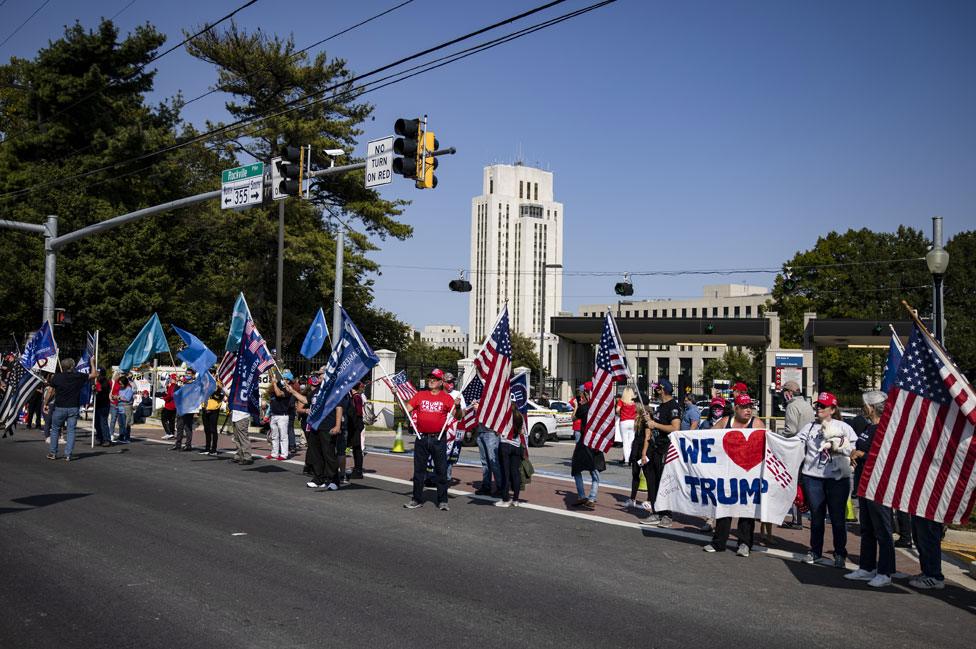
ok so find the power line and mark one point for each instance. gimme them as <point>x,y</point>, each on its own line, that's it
<point>128,77</point>
<point>21,25</point>
<point>291,105</point>
<point>119,12</point>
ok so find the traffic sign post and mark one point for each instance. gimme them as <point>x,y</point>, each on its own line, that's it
<point>242,187</point>
<point>379,162</point>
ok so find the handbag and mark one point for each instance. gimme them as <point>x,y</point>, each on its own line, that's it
<point>527,470</point>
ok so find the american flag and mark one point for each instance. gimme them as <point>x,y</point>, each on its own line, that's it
<point>257,346</point>
<point>225,371</point>
<point>21,384</point>
<point>494,365</point>
<point>777,469</point>
<point>672,453</point>
<point>471,393</point>
<point>921,460</point>
<point>610,367</point>
<point>400,384</point>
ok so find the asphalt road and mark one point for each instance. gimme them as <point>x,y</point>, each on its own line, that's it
<point>141,547</point>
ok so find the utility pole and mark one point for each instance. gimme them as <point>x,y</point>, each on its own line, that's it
<point>542,326</point>
<point>336,315</point>
<point>281,275</point>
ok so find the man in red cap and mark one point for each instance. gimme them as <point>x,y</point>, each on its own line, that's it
<point>432,407</point>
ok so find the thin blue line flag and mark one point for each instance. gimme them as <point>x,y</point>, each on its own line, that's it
<point>350,360</point>
<point>150,341</point>
<point>195,354</point>
<point>315,338</point>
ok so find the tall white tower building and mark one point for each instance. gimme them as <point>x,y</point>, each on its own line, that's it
<point>516,229</point>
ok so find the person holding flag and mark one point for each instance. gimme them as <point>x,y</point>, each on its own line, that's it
<point>432,407</point>
<point>665,421</point>
<point>64,399</point>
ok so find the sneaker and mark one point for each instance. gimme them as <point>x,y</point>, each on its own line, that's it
<point>281,458</point>
<point>653,519</point>
<point>204,453</point>
<point>581,502</point>
<point>743,551</point>
<point>903,544</point>
<point>515,503</point>
<point>52,456</point>
<point>810,558</point>
<point>176,448</point>
<point>880,581</point>
<point>269,457</point>
<point>862,575</point>
<point>629,503</point>
<point>168,437</point>
<point>413,504</point>
<point>443,507</point>
<point>67,458</point>
<point>213,453</point>
<point>927,583</point>
<point>503,503</point>
<point>589,504</point>
<point>648,507</point>
<point>665,521</point>
<point>332,486</point>
<point>840,562</point>
<point>311,484</point>
<point>709,548</point>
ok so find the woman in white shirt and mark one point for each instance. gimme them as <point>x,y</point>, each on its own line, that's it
<point>826,476</point>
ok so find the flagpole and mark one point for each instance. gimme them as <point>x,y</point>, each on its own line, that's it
<point>939,349</point>
<point>396,395</point>
<point>94,363</point>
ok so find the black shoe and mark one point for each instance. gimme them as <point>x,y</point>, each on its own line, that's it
<point>176,448</point>
<point>187,448</point>
<point>903,544</point>
<point>356,475</point>
<point>482,492</point>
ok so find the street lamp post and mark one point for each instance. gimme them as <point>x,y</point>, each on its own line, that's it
<point>937,260</point>
<point>542,326</point>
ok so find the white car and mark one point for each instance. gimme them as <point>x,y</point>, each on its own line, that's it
<point>547,423</point>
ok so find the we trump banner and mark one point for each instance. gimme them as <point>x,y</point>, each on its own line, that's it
<point>721,473</point>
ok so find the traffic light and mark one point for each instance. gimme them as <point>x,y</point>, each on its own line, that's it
<point>709,328</point>
<point>460,285</point>
<point>289,171</point>
<point>789,282</point>
<point>427,179</point>
<point>61,317</point>
<point>877,330</point>
<point>623,288</point>
<point>408,146</point>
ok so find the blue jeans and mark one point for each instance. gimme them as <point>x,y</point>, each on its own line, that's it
<point>488,452</point>
<point>118,417</point>
<point>101,424</point>
<point>430,446</point>
<point>823,496</point>
<point>928,542</point>
<point>594,485</point>
<point>877,542</point>
<point>60,417</point>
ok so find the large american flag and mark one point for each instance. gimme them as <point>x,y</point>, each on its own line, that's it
<point>471,393</point>
<point>257,346</point>
<point>225,371</point>
<point>610,367</point>
<point>922,457</point>
<point>400,384</point>
<point>494,365</point>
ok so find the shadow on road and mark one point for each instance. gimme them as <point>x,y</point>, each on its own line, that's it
<point>267,469</point>
<point>41,500</point>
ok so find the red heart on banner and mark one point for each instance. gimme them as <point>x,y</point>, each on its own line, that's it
<point>747,453</point>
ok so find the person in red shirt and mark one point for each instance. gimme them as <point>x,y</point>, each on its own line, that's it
<point>429,409</point>
<point>627,413</point>
<point>168,415</point>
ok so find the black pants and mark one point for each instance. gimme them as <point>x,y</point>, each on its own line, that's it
<point>355,442</point>
<point>656,465</point>
<point>168,419</point>
<point>187,430</point>
<point>430,446</point>
<point>210,430</point>
<point>323,456</point>
<point>745,531</point>
<point>34,410</point>
<point>635,479</point>
<point>510,458</point>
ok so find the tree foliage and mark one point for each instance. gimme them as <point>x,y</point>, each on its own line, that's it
<point>79,106</point>
<point>734,365</point>
<point>960,298</point>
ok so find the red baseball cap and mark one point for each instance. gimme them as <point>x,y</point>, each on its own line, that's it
<point>173,376</point>
<point>718,401</point>
<point>437,374</point>
<point>826,399</point>
<point>588,386</point>
<point>743,400</point>
<point>740,387</point>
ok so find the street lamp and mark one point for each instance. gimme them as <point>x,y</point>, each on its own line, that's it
<point>937,260</point>
<point>542,325</point>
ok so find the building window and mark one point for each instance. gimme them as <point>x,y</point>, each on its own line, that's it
<point>654,313</point>
<point>737,313</point>
<point>725,312</point>
<point>684,313</point>
<point>714,311</point>
<point>536,191</point>
<point>694,312</point>
<point>748,310</point>
<point>491,185</point>
<point>663,367</point>
<point>535,211</point>
<point>520,189</point>
<point>645,313</point>
<point>674,313</point>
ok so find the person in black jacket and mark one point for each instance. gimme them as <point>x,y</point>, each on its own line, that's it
<point>665,421</point>
<point>354,429</point>
<point>586,458</point>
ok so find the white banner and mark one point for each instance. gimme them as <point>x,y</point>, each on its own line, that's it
<point>730,473</point>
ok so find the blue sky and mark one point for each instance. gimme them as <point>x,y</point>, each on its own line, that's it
<point>695,135</point>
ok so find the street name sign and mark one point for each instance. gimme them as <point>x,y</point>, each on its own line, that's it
<point>379,162</point>
<point>242,186</point>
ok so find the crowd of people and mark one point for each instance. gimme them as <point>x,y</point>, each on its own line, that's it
<point>829,473</point>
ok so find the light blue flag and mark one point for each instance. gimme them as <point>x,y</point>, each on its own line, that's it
<point>895,350</point>
<point>315,338</point>
<point>150,341</point>
<point>195,354</point>
<point>192,395</point>
<point>40,352</point>
<point>240,315</point>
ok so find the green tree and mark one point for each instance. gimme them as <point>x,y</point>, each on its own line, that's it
<point>734,365</point>
<point>960,296</point>
<point>419,357</point>
<point>525,353</point>
<point>857,274</point>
